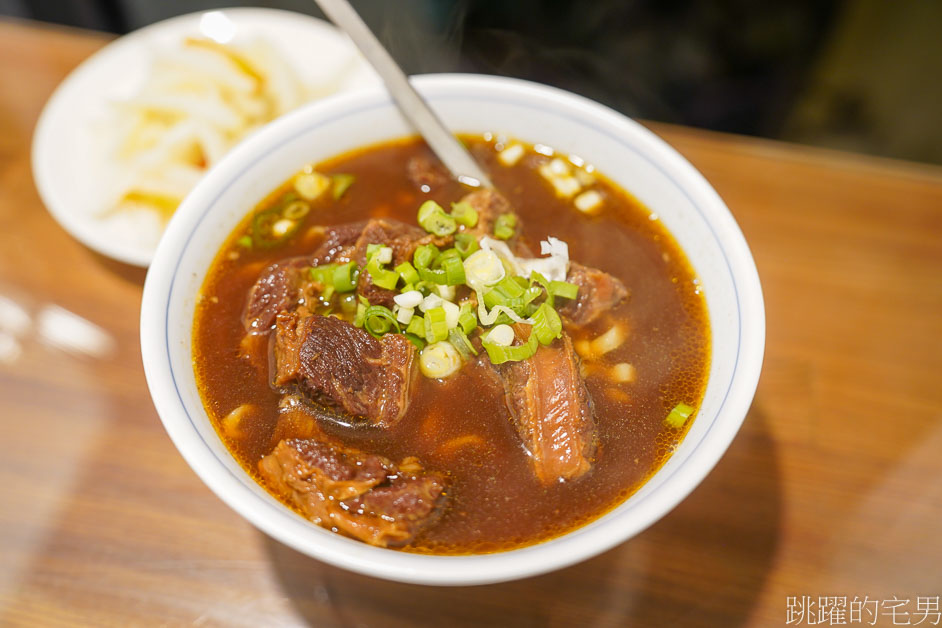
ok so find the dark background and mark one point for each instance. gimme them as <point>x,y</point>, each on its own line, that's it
<point>859,75</point>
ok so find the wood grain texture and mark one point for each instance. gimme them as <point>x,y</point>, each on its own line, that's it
<point>831,488</point>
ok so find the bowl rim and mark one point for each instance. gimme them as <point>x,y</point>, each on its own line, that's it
<point>580,544</point>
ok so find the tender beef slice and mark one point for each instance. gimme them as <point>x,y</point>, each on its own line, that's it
<point>277,289</point>
<point>364,496</point>
<point>342,367</point>
<point>338,245</point>
<point>551,410</point>
<point>403,238</point>
<point>489,205</point>
<point>598,293</point>
<point>422,171</point>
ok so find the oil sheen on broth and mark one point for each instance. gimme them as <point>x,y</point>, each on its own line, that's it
<point>459,426</point>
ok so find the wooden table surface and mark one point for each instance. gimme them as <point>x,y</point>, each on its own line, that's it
<point>832,488</point>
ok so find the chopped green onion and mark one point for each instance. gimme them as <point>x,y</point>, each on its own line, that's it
<point>504,226</point>
<point>407,272</point>
<point>381,277</point>
<point>509,294</point>
<point>323,274</point>
<point>547,326</point>
<point>436,325</point>
<point>327,293</point>
<point>342,183</point>
<point>563,289</point>
<point>426,287</point>
<point>555,288</point>
<point>460,341</point>
<point>416,326</point>
<point>427,209</point>
<point>424,256</point>
<point>270,228</point>
<point>464,214</point>
<point>295,210</point>
<point>679,415</point>
<point>439,360</point>
<point>371,250</point>
<point>348,303</point>
<point>499,354</point>
<point>345,277</point>
<point>451,272</point>
<point>245,241</point>
<point>418,341</point>
<point>361,311</point>
<point>433,219</point>
<point>467,320</point>
<point>452,252</point>
<point>466,244</point>
<point>378,320</point>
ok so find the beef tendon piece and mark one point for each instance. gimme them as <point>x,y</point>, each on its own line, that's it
<point>551,409</point>
<point>364,496</point>
<point>344,368</point>
<point>598,293</point>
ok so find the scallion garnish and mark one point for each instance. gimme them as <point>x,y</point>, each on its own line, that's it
<point>504,226</point>
<point>564,289</point>
<point>460,341</point>
<point>464,214</point>
<point>407,272</point>
<point>499,354</point>
<point>341,183</point>
<point>466,244</point>
<point>433,219</point>
<point>451,268</point>
<point>379,320</point>
<point>416,326</point>
<point>467,320</point>
<point>436,325</point>
<point>418,341</point>
<point>381,277</point>
<point>679,415</point>
<point>547,325</point>
<point>345,277</point>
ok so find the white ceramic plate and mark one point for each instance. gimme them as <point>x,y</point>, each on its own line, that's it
<point>70,164</point>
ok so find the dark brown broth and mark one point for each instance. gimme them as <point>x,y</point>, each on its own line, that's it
<point>496,503</point>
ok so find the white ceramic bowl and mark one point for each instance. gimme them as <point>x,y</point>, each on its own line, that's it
<point>626,152</point>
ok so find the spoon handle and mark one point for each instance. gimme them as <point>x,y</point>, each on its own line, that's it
<point>452,153</point>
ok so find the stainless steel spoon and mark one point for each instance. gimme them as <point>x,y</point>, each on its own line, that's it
<point>444,144</point>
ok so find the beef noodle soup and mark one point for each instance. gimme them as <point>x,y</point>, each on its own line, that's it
<point>419,365</point>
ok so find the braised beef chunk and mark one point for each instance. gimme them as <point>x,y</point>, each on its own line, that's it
<point>343,367</point>
<point>339,243</point>
<point>276,290</point>
<point>364,496</point>
<point>426,174</point>
<point>489,206</point>
<point>550,407</point>
<point>598,293</point>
